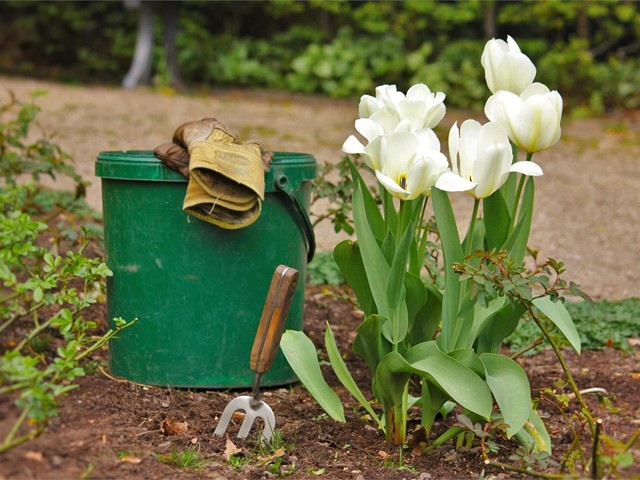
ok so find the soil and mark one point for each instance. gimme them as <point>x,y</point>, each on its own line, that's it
<point>587,215</point>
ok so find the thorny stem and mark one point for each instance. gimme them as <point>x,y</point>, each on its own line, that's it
<point>13,318</point>
<point>34,333</point>
<point>594,450</point>
<point>575,444</point>
<point>565,369</point>
<point>526,348</point>
<point>10,441</point>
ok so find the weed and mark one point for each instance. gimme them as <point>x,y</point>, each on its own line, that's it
<point>189,458</point>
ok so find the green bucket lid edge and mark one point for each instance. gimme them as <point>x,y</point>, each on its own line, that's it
<point>142,165</point>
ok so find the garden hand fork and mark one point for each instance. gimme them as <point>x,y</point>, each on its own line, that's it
<point>263,353</point>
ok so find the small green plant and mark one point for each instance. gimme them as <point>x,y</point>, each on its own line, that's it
<point>19,155</point>
<point>189,458</point>
<point>271,455</point>
<point>323,270</point>
<point>48,283</point>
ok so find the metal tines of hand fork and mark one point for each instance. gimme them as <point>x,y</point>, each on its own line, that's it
<point>263,353</point>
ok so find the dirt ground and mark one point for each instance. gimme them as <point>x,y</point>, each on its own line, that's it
<point>111,428</point>
<point>587,215</point>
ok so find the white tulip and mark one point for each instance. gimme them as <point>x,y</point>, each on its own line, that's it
<point>531,120</point>
<point>411,164</point>
<point>395,111</point>
<point>506,67</point>
<point>482,154</point>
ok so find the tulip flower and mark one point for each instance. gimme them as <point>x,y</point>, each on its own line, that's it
<point>395,111</point>
<point>411,164</point>
<point>483,155</point>
<point>506,67</point>
<point>531,120</point>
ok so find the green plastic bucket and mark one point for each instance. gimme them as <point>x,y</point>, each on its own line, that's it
<point>196,289</point>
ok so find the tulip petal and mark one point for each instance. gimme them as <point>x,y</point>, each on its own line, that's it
<point>491,169</point>
<point>353,145</point>
<point>527,168</point>
<point>450,182</point>
<point>368,128</point>
<point>454,142</point>
<point>418,179</point>
<point>393,188</point>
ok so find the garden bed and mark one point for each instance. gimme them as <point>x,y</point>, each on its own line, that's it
<point>111,428</point>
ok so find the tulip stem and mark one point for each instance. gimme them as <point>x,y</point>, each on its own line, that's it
<point>472,227</point>
<point>516,199</point>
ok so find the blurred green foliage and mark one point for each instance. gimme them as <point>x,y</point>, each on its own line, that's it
<point>588,50</point>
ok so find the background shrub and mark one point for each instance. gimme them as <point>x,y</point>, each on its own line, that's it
<point>589,49</point>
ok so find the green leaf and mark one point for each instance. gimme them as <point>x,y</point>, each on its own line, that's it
<point>374,216</point>
<point>371,342</point>
<point>452,377</point>
<point>517,241</point>
<point>342,372</point>
<point>391,376</point>
<point>534,436</point>
<point>510,387</point>
<point>558,314</point>
<point>301,355</point>
<point>452,251</point>
<point>396,291</point>
<point>499,326</point>
<point>375,265</point>
<point>496,219</point>
<point>348,258</point>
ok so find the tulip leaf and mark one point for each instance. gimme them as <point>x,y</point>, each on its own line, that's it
<point>371,207</point>
<point>391,376</point>
<point>370,342</point>
<point>396,291</point>
<point>375,264</point>
<point>536,429</point>
<point>424,324</point>
<point>301,354</point>
<point>468,358</point>
<point>342,372</point>
<point>517,241</point>
<point>452,251</point>
<point>455,379</point>
<point>558,314</point>
<point>510,387</point>
<point>498,326</point>
<point>347,256</point>
<point>497,220</point>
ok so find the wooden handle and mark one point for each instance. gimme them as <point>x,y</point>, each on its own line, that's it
<point>274,316</point>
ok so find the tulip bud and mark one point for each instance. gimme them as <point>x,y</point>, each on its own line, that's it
<point>506,67</point>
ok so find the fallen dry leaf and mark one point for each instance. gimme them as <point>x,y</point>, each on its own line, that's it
<point>31,455</point>
<point>130,459</point>
<point>230,450</point>
<point>238,416</point>
<point>171,426</point>
<point>271,458</point>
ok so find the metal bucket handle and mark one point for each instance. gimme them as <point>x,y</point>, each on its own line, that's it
<point>282,183</point>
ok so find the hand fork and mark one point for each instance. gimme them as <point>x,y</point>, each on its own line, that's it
<point>265,346</point>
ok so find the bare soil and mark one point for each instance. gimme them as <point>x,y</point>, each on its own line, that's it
<point>587,215</point>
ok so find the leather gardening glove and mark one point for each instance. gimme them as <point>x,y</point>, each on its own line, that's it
<point>176,157</point>
<point>226,179</point>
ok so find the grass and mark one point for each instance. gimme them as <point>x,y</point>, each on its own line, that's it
<point>189,458</point>
<point>606,325</point>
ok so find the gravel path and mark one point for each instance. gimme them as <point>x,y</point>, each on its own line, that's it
<point>587,202</point>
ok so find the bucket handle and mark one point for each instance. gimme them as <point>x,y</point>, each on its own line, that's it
<point>283,184</point>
